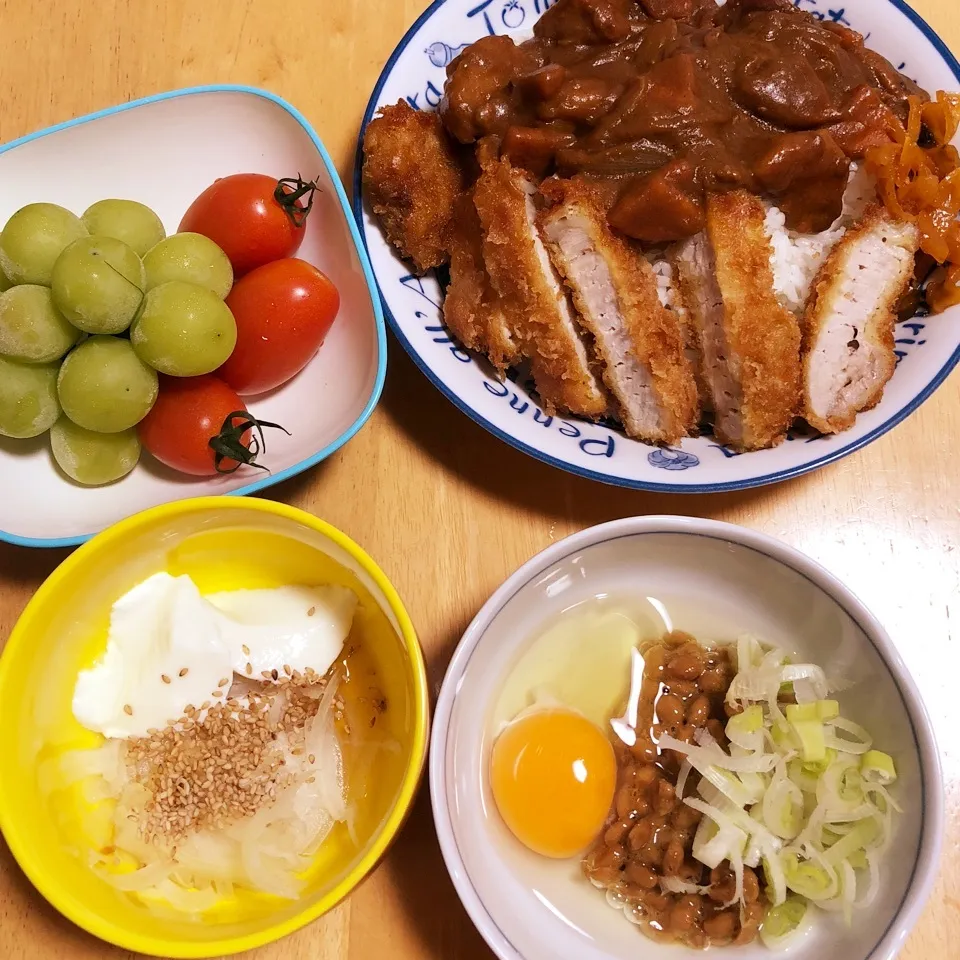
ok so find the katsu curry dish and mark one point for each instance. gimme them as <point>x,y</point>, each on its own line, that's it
<point>682,215</point>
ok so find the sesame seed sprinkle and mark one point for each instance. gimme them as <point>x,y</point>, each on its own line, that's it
<point>184,672</point>
<point>223,762</point>
<point>164,678</point>
<point>128,710</point>
<point>246,650</point>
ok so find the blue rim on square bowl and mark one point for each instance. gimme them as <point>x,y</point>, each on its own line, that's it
<point>381,340</point>
<point>674,463</point>
<point>481,863</point>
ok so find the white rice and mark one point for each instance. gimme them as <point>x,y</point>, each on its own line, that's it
<point>667,289</point>
<point>797,257</point>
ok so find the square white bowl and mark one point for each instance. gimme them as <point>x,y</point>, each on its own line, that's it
<point>163,151</point>
<point>718,581</point>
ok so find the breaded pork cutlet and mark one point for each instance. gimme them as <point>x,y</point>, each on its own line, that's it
<point>849,321</point>
<point>638,341</point>
<point>536,304</point>
<point>412,179</point>
<point>688,327</point>
<point>472,309</point>
<point>749,343</point>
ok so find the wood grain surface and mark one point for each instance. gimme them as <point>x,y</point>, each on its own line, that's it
<point>446,509</point>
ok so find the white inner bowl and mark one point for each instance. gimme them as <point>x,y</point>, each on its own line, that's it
<point>164,151</point>
<point>715,581</point>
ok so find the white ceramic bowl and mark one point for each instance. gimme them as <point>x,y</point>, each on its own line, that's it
<point>163,151</point>
<point>928,350</point>
<point>717,580</point>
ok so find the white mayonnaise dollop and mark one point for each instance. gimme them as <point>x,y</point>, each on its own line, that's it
<point>168,647</point>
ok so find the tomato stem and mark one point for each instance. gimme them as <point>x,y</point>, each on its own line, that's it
<point>288,194</point>
<point>229,444</point>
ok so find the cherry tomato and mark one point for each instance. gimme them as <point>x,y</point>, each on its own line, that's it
<point>200,426</point>
<point>253,218</point>
<point>283,312</point>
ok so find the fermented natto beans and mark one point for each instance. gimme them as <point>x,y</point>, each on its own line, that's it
<point>685,665</point>
<point>685,913</point>
<point>673,858</point>
<point>721,926</point>
<point>750,925</point>
<point>642,876</point>
<point>649,836</point>
<point>699,712</point>
<point>670,710</point>
<point>714,681</point>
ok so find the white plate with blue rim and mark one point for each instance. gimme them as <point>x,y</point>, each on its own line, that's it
<point>163,151</point>
<point>927,348</point>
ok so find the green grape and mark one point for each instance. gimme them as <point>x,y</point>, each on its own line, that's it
<point>31,327</point>
<point>183,330</point>
<point>133,223</point>
<point>104,386</point>
<point>98,284</point>
<point>28,398</point>
<point>190,257</point>
<point>93,458</point>
<point>33,239</point>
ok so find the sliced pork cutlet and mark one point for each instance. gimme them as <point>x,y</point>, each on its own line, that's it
<point>848,353</point>
<point>638,341</point>
<point>670,287</point>
<point>472,309</point>
<point>535,301</point>
<point>412,180</point>
<point>749,343</point>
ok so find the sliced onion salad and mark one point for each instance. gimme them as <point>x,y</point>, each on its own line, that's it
<point>800,793</point>
<point>266,852</point>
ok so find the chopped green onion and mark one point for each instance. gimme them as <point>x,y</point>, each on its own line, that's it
<point>858,742</point>
<point>828,709</point>
<point>813,748</point>
<point>823,710</point>
<point>802,712</point>
<point>802,776</point>
<point>857,840</point>
<point>820,767</point>
<point>750,721</point>
<point>782,921</point>
<point>783,808</point>
<point>731,786</point>
<point>858,860</point>
<point>783,736</point>
<point>714,844</point>
<point>809,879</point>
<point>877,767</point>
<point>799,793</point>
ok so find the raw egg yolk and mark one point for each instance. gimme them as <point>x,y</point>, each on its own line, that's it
<point>553,775</point>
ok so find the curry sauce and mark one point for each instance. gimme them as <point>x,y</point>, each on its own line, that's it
<point>662,102</point>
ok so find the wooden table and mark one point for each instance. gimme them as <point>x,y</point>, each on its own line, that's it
<point>448,510</point>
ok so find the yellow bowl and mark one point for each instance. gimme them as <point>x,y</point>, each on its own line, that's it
<point>223,543</point>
